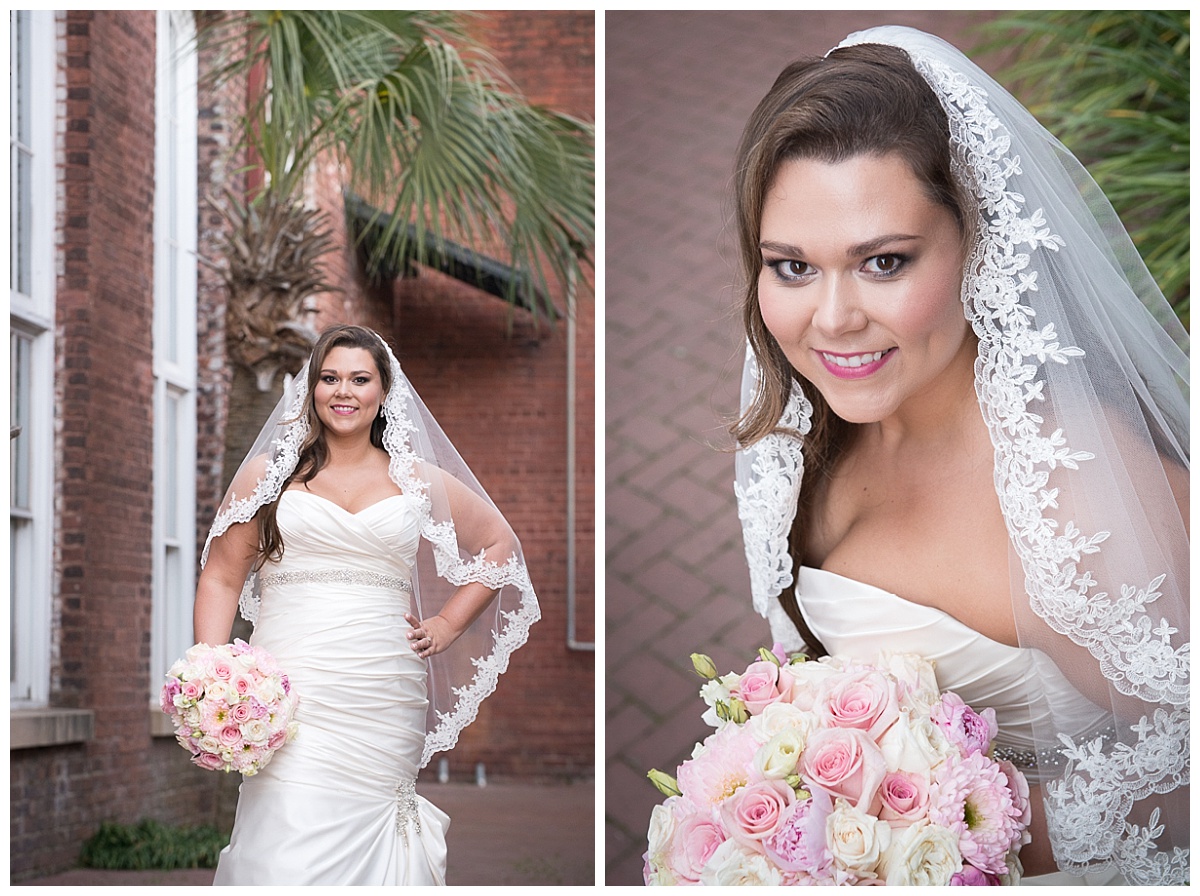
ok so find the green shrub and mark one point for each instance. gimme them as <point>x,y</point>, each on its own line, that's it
<point>151,844</point>
<point>1114,86</point>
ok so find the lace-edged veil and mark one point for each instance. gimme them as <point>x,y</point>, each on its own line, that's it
<point>452,505</point>
<point>1082,379</point>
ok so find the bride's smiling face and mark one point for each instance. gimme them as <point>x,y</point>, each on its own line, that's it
<point>860,284</point>
<point>348,391</point>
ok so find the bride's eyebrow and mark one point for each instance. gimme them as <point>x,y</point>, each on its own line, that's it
<point>856,251</point>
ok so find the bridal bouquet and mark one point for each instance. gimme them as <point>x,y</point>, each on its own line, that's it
<point>231,705</point>
<point>835,772</point>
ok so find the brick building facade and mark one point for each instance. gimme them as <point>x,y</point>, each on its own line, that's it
<point>122,393</point>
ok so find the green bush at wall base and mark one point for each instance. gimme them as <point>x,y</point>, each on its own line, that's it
<point>152,845</point>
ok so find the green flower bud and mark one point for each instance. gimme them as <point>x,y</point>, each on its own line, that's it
<point>768,656</point>
<point>664,782</point>
<point>704,666</point>
<point>738,714</point>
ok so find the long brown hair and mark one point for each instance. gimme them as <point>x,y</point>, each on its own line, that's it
<point>860,100</point>
<point>314,453</point>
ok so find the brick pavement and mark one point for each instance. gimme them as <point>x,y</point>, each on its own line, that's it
<point>679,86</point>
<point>507,833</point>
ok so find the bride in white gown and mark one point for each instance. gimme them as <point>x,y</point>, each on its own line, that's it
<point>964,433</point>
<point>320,536</point>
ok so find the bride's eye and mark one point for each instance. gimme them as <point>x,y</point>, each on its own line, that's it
<point>790,270</point>
<point>885,265</point>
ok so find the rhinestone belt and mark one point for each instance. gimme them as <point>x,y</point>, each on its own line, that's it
<point>1046,759</point>
<point>335,576</point>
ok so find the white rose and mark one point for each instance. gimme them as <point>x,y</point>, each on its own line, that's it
<point>217,690</point>
<point>210,744</point>
<point>662,827</point>
<point>777,758</point>
<point>856,839</point>
<point>732,866</point>
<point>256,731</point>
<point>924,855</point>
<point>778,717</point>
<point>913,745</point>
<point>918,681</point>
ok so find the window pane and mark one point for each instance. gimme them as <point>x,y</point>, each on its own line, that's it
<point>20,346</point>
<point>21,200</point>
<point>170,463</point>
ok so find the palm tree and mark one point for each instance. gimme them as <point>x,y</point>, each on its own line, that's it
<point>436,148</point>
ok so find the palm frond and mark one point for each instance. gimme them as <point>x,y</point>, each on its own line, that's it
<point>426,125</point>
<point>1114,86</point>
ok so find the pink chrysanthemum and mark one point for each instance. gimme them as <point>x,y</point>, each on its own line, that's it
<point>971,797</point>
<point>722,766</point>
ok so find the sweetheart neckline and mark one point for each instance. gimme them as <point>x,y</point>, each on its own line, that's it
<point>301,491</point>
<point>936,610</point>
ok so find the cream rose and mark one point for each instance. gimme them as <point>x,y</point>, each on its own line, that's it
<point>924,855</point>
<point>659,836</point>
<point>779,717</point>
<point>913,745</point>
<point>732,866</point>
<point>806,679</point>
<point>856,840</point>
<point>916,678</point>
<point>777,758</point>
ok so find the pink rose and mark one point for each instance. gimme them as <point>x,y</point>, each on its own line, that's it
<point>753,812</point>
<point>277,740</point>
<point>222,668</point>
<point>863,700</point>
<point>230,735</point>
<point>844,762</point>
<point>243,684</point>
<point>762,684</point>
<point>697,837</point>
<point>242,712</point>
<point>209,761</point>
<point>905,798</point>
<point>193,690</point>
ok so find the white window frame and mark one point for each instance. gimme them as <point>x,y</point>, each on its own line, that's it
<point>32,316</point>
<point>175,337</point>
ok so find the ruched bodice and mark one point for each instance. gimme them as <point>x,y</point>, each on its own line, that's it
<point>337,805</point>
<point>854,619</point>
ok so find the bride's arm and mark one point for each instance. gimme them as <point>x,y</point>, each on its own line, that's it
<point>478,527</point>
<point>229,560</point>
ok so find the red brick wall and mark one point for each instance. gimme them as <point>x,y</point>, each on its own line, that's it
<point>104,459</point>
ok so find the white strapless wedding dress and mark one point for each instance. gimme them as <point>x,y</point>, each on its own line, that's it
<point>337,805</point>
<point>853,619</point>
